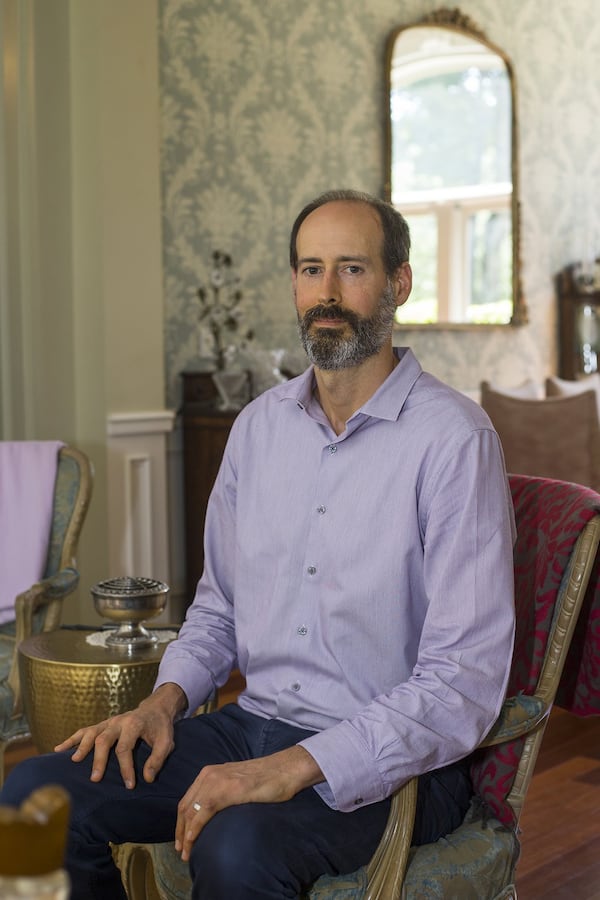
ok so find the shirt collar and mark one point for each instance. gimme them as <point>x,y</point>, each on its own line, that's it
<point>386,402</point>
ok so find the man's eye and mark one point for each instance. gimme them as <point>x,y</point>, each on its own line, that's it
<point>354,270</point>
<point>311,270</point>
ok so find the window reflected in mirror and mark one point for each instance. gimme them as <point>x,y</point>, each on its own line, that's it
<point>452,161</point>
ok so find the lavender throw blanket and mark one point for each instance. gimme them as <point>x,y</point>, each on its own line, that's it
<point>27,476</point>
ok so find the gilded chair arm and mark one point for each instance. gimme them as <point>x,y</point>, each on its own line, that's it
<point>386,870</point>
<point>519,715</point>
<point>49,592</point>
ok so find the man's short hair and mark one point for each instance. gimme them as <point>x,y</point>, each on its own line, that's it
<point>396,236</point>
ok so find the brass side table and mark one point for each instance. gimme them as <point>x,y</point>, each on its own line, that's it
<point>68,683</point>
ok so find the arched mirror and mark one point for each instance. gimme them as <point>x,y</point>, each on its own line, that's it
<point>452,169</point>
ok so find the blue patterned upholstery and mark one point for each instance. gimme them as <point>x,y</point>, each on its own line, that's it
<point>468,864</point>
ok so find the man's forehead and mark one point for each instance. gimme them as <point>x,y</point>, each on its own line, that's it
<point>354,223</point>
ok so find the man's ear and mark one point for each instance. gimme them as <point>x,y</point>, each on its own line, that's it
<point>294,278</point>
<point>402,282</point>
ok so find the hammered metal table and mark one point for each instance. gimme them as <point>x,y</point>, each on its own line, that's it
<point>68,683</point>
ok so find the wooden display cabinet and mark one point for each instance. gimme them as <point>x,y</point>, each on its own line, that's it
<point>205,433</point>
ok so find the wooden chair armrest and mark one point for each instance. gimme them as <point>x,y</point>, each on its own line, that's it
<point>55,587</point>
<point>48,592</point>
<point>386,870</point>
<point>518,716</point>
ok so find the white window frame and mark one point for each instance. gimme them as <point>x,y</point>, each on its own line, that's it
<point>452,208</point>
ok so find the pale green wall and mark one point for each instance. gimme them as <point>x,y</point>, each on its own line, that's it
<point>85,309</point>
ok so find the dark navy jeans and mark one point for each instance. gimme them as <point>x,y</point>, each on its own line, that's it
<point>271,850</point>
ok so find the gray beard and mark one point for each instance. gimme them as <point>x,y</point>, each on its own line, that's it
<point>329,350</point>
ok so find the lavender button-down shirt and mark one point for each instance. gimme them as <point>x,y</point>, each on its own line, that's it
<point>363,583</point>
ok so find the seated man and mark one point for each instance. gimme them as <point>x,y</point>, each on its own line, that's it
<point>358,570</point>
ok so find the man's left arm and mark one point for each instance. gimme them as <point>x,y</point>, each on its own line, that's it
<point>457,685</point>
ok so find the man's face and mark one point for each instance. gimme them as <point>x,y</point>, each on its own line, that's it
<point>344,300</point>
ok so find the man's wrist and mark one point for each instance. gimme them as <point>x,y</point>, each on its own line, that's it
<point>305,768</point>
<point>172,697</point>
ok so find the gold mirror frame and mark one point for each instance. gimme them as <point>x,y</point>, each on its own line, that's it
<point>454,20</point>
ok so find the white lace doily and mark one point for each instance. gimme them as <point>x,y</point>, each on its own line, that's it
<point>98,638</point>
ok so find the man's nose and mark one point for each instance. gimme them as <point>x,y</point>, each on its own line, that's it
<point>330,288</point>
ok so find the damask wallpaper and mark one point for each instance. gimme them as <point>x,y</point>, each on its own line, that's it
<point>265,103</point>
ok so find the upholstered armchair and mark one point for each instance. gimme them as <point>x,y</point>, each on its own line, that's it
<point>39,607</point>
<point>558,535</point>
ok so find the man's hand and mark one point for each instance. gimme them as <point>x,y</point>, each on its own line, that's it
<point>269,779</point>
<point>152,721</point>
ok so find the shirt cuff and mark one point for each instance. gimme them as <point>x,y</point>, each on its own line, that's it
<point>352,778</point>
<point>197,686</point>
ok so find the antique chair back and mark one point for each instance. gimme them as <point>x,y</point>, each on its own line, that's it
<point>556,568</point>
<point>39,608</point>
<point>554,437</point>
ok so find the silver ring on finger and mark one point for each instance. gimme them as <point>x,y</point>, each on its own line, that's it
<point>197,806</point>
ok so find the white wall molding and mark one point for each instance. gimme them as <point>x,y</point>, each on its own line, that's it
<point>157,422</point>
<point>138,501</point>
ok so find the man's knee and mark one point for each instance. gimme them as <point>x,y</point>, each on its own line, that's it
<point>238,855</point>
<point>35,772</point>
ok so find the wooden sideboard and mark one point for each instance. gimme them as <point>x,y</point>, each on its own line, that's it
<point>205,433</point>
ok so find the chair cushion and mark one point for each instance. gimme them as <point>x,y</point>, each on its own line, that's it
<point>10,727</point>
<point>530,389</point>
<point>472,863</point>
<point>172,876</point>
<point>561,387</point>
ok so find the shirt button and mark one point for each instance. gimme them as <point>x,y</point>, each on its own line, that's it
<point>312,570</point>
<point>302,629</point>
<point>358,801</point>
<point>332,448</point>
<point>296,686</point>
<point>321,510</point>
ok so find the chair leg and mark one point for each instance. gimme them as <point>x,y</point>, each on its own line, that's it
<point>137,871</point>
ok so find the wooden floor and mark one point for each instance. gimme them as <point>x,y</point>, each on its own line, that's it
<point>560,825</point>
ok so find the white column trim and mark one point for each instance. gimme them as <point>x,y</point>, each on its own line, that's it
<point>138,502</point>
